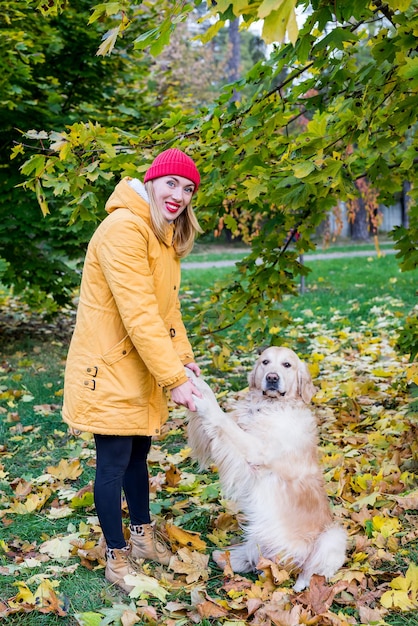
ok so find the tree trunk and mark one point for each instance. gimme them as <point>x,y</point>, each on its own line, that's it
<point>405,203</point>
<point>234,61</point>
<point>360,225</point>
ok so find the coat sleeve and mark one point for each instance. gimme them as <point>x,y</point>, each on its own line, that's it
<point>123,255</point>
<point>180,340</point>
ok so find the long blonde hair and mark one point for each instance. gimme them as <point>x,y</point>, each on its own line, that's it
<point>186,225</point>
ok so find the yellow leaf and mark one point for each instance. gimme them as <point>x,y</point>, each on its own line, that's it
<point>108,41</point>
<point>181,537</point>
<point>23,596</point>
<point>409,583</point>
<point>277,22</point>
<point>378,440</point>
<point>314,369</point>
<point>412,373</point>
<point>387,526</point>
<point>70,470</point>
<point>396,600</point>
<point>35,501</point>
<point>404,593</point>
<point>47,599</point>
<point>59,547</point>
<point>145,586</point>
<point>193,564</point>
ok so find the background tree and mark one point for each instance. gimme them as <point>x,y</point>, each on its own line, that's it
<point>255,155</point>
<point>52,78</point>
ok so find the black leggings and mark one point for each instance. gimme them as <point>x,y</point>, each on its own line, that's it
<point>121,463</point>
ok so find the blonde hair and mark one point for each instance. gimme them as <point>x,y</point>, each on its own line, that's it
<point>186,225</point>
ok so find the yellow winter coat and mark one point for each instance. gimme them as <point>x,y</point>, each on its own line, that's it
<point>129,344</point>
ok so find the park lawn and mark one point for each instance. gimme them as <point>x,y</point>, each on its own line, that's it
<point>345,325</point>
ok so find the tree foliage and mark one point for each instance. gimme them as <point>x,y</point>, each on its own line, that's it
<point>335,102</point>
<point>53,79</point>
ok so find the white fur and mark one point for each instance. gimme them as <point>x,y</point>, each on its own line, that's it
<point>265,450</point>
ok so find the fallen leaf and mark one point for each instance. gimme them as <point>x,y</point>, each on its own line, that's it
<point>193,564</point>
<point>66,470</point>
<point>145,586</point>
<point>183,538</point>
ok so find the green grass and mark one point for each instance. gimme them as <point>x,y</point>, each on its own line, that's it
<point>348,285</point>
<point>209,252</point>
<point>338,291</point>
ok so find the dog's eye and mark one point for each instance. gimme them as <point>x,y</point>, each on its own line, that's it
<point>266,362</point>
<point>287,364</point>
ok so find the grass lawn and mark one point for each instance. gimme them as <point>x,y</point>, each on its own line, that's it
<point>345,323</point>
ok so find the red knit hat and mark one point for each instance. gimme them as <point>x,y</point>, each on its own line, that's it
<point>173,162</point>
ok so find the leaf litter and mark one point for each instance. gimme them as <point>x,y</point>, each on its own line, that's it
<point>369,454</point>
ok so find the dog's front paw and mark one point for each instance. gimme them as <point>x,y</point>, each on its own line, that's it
<point>203,405</point>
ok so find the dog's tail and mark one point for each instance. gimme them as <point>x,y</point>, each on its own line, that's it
<point>326,557</point>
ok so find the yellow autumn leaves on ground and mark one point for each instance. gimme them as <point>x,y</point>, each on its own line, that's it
<point>369,455</point>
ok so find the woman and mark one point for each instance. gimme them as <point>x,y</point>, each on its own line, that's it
<point>130,347</point>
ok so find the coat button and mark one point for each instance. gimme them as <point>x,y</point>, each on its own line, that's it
<point>123,351</point>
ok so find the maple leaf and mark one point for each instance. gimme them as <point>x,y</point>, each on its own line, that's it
<point>404,593</point>
<point>21,487</point>
<point>320,595</point>
<point>44,599</point>
<point>59,547</point>
<point>408,501</point>
<point>58,512</point>
<point>193,564</point>
<point>47,600</point>
<point>156,482</point>
<point>145,586</point>
<point>208,609</point>
<point>34,502</point>
<point>66,470</point>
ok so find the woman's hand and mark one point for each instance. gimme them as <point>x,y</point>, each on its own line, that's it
<point>183,394</point>
<point>194,367</point>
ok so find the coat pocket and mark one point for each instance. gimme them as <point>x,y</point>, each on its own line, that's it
<point>119,351</point>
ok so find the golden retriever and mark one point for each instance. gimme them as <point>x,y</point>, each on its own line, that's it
<point>265,450</point>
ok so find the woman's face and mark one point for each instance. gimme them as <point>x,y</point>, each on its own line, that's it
<point>172,194</point>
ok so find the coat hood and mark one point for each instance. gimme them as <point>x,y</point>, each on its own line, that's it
<point>130,194</point>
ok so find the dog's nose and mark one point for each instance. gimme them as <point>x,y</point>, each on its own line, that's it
<point>272,377</point>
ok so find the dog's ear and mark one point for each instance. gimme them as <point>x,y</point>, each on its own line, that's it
<point>306,388</point>
<point>251,379</point>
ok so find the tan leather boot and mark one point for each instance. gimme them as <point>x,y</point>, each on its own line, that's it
<point>118,566</point>
<point>148,543</point>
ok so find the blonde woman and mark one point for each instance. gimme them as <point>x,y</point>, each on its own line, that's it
<point>129,349</point>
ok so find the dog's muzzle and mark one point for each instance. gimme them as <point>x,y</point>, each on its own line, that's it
<point>272,384</point>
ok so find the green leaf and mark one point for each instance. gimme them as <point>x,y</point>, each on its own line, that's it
<point>144,40</point>
<point>89,618</point>
<point>409,71</point>
<point>300,170</point>
<point>278,22</point>
<point>399,5</point>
